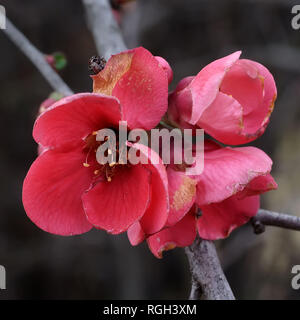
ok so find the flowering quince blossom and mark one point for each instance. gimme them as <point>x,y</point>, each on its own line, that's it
<point>66,191</point>
<point>227,194</point>
<point>231,99</point>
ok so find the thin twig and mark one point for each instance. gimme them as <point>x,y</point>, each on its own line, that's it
<point>270,218</point>
<point>208,279</point>
<point>104,27</point>
<point>37,58</point>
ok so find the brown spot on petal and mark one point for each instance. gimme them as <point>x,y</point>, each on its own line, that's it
<point>262,80</point>
<point>116,67</point>
<point>184,194</point>
<point>271,107</point>
<point>166,247</point>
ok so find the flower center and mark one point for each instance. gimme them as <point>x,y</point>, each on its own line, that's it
<point>108,170</point>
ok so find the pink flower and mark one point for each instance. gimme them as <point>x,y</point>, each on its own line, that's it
<point>55,96</point>
<point>139,82</point>
<point>166,67</point>
<point>227,195</point>
<point>66,191</point>
<point>231,99</point>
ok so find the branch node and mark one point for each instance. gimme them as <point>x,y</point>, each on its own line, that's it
<point>258,227</point>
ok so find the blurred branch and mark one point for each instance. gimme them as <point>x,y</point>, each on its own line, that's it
<point>208,279</point>
<point>270,218</point>
<point>104,27</point>
<point>37,58</point>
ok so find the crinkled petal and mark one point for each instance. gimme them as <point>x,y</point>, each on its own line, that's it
<point>136,234</point>
<point>219,219</point>
<point>156,215</point>
<point>114,206</point>
<point>182,194</point>
<point>258,185</point>
<point>181,234</point>
<point>247,86</point>
<point>228,171</point>
<point>269,91</point>
<point>166,67</point>
<point>252,89</point>
<point>181,104</point>
<point>223,119</point>
<point>52,192</point>
<point>72,119</point>
<point>205,86</point>
<point>141,85</point>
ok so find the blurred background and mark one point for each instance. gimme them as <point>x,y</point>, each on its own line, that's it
<point>189,34</point>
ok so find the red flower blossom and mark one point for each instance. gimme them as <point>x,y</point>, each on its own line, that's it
<point>66,191</point>
<point>230,99</point>
<point>227,195</point>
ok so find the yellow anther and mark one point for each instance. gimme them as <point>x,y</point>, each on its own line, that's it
<point>96,172</point>
<point>95,133</point>
<point>109,179</point>
<point>86,165</point>
<point>112,164</point>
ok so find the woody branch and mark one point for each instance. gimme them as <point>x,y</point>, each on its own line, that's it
<point>271,218</point>
<point>37,58</point>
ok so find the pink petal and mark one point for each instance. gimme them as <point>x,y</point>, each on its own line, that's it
<point>270,90</point>
<point>136,234</point>
<point>252,90</point>
<point>116,205</point>
<point>228,171</point>
<point>166,67</point>
<point>259,185</point>
<point>141,85</point>
<point>219,219</point>
<point>52,192</point>
<point>181,104</point>
<point>246,89</point>
<point>181,234</point>
<point>182,194</point>
<point>143,91</point>
<point>71,119</point>
<point>246,85</point>
<point>205,86</point>
<point>223,119</point>
<point>156,215</point>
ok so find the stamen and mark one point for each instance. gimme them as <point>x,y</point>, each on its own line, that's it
<point>86,159</point>
<point>96,172</point>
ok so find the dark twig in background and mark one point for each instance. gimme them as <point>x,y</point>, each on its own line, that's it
<point>270,218</point>
<point>104,27</point>
<point>37,58</point>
